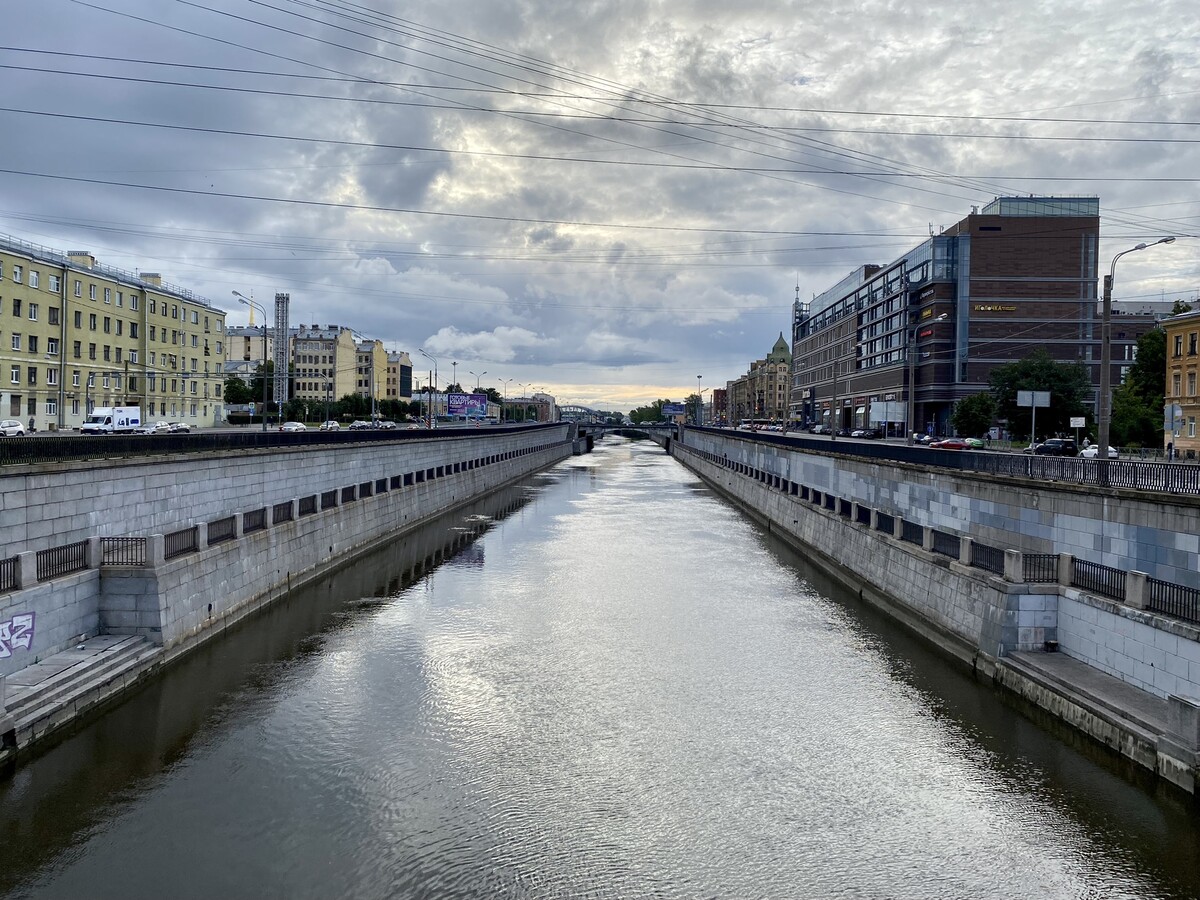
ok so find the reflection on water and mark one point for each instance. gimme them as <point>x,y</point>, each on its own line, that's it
<point>603,683</point>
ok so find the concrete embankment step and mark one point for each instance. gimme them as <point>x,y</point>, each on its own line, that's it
<point>52,691</point>
<point>1136,710</point>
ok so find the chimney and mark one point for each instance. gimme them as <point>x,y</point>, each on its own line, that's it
<point>151,278</point>
<point>81,258</point>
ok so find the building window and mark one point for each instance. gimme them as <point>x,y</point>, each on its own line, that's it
<point>33,374</point>
<point>120,299</point>
<point>51,376</point>
<point>108,295</point>
<point>52,346</point>
<point>52,315</point>
<point>33,312</point>
<point>14,374</point>
<point>120,350</point>
<point>31,406</point>
<point>16,308</point>
<point>91,351</point>
<point>54,283</point>
<point>133,329</point>
<point>1191,422</point>
<point>104,381</point>
<point>18,274</point>
<point>107,325</point>
<point>120,326</point>
<point>33,343</point>
<point>1179,345</point>
<point>78,288</point>
<point>153,333</point>
<point>77,349</point>
<point>1192,344</point>
<point>153,305</point>
<point>133,301</point>
<point>52,406</point>
<point>1191,384</point>
<point>75,378</point>
<point>133,356</point>
<point>1175,384</point>
<point>34,278</point>
<point>92,322</point>
<point>91,292</point>
<point>78,319</point>
<point>16,341</point>
<point>107,353</point>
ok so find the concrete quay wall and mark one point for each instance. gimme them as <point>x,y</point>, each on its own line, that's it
<point>1132,530</point>
<point>377,491</point>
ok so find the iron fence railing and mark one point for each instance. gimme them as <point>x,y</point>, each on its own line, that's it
<point>885,523</point>
<point>864,515</point>
<point>1098,579</point>
<point>255,520</point>
<point>348,494</point>
<point>281,512</point>
<point>222,530</point>
<point>947,544</point>
<point>1040,568</point>
<point>123,551</point>
<point>8,574</point>
<point>911,532</point>
<point>989,558</point>
<point>54,562</point>
<point>1173,599</point>
<point>329,499</point>
<point>308,505</point>
<point>177,543</point>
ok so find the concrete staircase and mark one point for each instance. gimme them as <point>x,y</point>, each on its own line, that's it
<point>50,693</point>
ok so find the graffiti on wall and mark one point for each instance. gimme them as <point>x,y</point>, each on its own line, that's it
<point>16,634</point>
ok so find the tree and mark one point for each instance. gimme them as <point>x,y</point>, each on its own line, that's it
<point>1069,385</point>
<point>973,416</point>
<point>1138,403</point>
<point>651,413</point>
<point>237,392</point>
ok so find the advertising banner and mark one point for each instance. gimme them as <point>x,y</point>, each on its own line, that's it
<point>470,406</point>
<point>674,409</point>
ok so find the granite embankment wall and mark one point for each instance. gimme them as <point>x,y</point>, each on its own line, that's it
<point>246,527</point>
<point>961,606</point>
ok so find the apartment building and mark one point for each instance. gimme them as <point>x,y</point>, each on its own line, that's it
<point>75,334</point>
<point>764,391</point>
<point>324,362</point>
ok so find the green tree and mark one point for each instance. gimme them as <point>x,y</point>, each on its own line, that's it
<point>237,391</point>
<point>1138,403</point>
<point>1069,385</point>
<point>973,416</point>
<point>651,413</point>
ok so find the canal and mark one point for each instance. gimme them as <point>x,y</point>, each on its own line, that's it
<point>604,682</point>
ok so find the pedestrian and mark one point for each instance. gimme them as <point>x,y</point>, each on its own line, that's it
<point>1086,443</point>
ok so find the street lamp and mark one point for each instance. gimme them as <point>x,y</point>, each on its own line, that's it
<point>699,402</point>
<point>504,409</point>
<point>433,390</point>
<point>1106,352</point>
<point>912,372</point>
<point>477,377</point>
<point>246,301</point>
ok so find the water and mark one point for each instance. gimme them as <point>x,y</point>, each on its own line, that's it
<point>613,686</point>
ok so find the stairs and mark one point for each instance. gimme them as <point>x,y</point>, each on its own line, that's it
<point>48,694</point>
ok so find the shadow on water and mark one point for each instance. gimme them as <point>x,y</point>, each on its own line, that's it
<point>52,800</point>
<point>1120,803</point>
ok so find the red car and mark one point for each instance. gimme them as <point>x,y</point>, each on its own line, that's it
<point>951,444</point>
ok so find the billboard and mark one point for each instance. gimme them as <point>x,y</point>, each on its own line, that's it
<point>674,409</point>
<point>469,406</point>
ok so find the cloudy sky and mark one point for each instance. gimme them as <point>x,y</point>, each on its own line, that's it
<point>602,200</point>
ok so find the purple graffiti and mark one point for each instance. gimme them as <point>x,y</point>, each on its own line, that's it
<point>16,634</point>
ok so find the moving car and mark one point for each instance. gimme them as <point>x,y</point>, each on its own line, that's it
<point>157,428</point>
<point>329,426</point>
<point>359,425</point>
<point>1056,447</point>
<point>293,426</point>
<point>180,428</point>
<point>951,444</point>
<point>11,428</point>
<point>870,433</point>
<point>1093,452</point>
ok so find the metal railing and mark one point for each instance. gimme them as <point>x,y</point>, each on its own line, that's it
<point>989,558</point>
<point>222,530</point>
<point>911,532</point>
<point>255,520</point>
<point>8,574</point>
<point>885,523</point>
<point>56,561</point>
<point>329,499</point>
<point>1173,599</point>
<point>123,551</point>
<point>308,505</point>
<point>177,543</point>
<point>947,544</point>
<point>1040,568</point>
<point>1098,579</point>
<point>281,512</point>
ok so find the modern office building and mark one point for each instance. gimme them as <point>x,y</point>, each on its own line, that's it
<point>931,325</point>
<point>81,335</point>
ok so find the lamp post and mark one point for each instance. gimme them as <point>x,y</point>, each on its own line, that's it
<point>477,377</point>
<point>912,372</point>
<point>246,301</point>
<point>433,389</point>
<point>504,409</point>
<point>699,402</point>
<point>454,373</point>
<point>1106,353</point>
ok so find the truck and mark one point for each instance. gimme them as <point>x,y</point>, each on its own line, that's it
<point>112,420</point>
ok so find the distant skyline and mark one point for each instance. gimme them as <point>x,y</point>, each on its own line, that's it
<point>600,200</point>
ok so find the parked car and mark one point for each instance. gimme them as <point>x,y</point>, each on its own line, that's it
<point>157,428</point>
<point>869,433</point>
<point>180,428</point>
<point>1093,452</point>
<point>330,426</point>
<point>11,428</point>
<point>293,426</point>
<point>819,429</point>
<point>386,425</point>
<point>951,444</point>
<point>1056,447</point>
<point>919,438</point>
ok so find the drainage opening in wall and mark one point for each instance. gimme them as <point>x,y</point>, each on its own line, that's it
<point>210,609</point>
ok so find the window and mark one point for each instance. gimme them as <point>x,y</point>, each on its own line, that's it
<point>219,351</point>
<point>91,379</point>
<point>1179,345</point>
<point>15,374</point>
<point>52,406</point>
<point>91,351</point>
<point>153,358</point>
<point>107,353</point>
<point>18,274</point>
<point>33,374</point>
<point>91,292</point>
<point>104,381</point>
<point>92,321</point>
<point>77,349</point>
<point>108,295</point>
<point>153,306</point>
<point>16,341</point>
<point>175,312</point>
<point>51,376</point>
<point>34,278</point>
<point>52,315</point>
<point>75,378</point>
<point>16,308</point>
<point>33,343</point>
<point>120,326</point>
<point>55,283</point>
<point>133,301</point>
<point>107,325</point>
<point>1192,344</point>
<point>1191,425</point>
<point>120,299</point>
<point>119,352</point>
<point>133,356</point>
<point>78,319</point>
<point>33,312</point>
<point>1175,383</point>
<point>133,329</point>
<point>195,317</point>
<point>153,333</point>
<point>195,341</point>
<point>1191,384</point>
<point>78,288</point>
<point>52,346</point>
<point>31,406</point>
